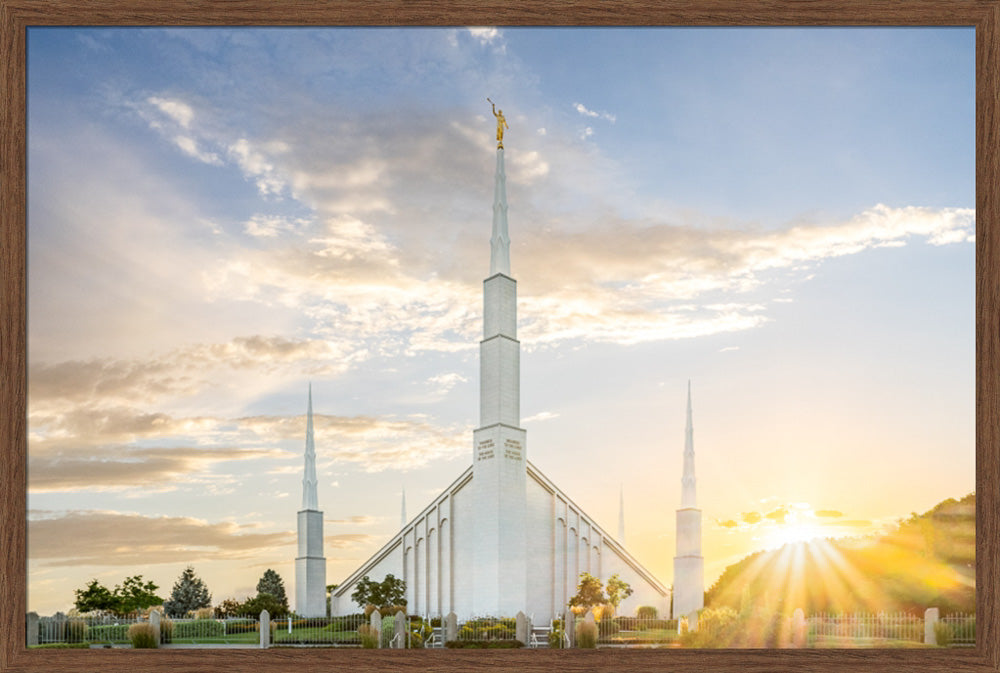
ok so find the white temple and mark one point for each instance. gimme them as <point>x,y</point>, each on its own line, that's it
<point>310,565</point>
<point>689,565</point>
<point>502,538</point>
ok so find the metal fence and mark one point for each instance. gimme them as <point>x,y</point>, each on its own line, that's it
<point>957,630</point>
<point>634,630</point>
<point>865,626</point>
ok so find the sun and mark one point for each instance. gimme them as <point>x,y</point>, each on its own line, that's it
<point>798,525</point>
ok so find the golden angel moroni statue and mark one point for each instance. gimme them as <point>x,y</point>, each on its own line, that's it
<point>501,124</point>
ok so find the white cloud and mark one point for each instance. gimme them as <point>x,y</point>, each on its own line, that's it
<point>540,416</point>
<point>486,35</point>
<point>176,110</point>
<point>256,165</point>
<point>582,109</point>
<point>269,226</point>
<point>190,147</point>
<point>443,383</point>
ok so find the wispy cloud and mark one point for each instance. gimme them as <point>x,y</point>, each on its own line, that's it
<point>583,110</point>
<point>108,538</point>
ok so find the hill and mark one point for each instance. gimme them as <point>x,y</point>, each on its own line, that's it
<point>927,561</point>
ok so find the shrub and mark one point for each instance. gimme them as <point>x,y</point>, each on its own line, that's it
<point>142,636</point>
<point>647,612</point>
<point>203,613</point>
<point>388,630</point>
<point>607,628</point>
<point>717,627</point>
<point>166,630</point>
<point>369,638</point>
<point>483,644</point>
<point>76,631</point>
<point>108,633</point>
<point>586,635</point>
<point>943,634</point>
<point>345,623</point>
<point>200,628</point>
<point>240,626</point>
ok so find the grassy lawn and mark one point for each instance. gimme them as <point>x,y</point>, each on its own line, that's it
<point>315,635</point>
<point>834,642</point>
<point>647,636</point>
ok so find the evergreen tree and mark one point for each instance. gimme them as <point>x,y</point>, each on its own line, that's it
<point>189,593</point>
<point>271,583</point>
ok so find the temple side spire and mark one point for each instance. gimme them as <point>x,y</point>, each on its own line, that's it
<point>310,500</point>
<point>689,565</point>
<point>621,513</point>
<point>688,480</point>
<point>310,564</point>
<point>402,512</point>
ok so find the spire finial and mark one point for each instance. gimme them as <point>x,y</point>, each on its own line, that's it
<point>402,514</point>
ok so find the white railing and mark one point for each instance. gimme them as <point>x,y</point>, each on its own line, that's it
<point>960,629</point>
<point>865,626</point>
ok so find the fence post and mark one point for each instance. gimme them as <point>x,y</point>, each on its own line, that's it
<point>154,624</point>
<point>32,628</point>
<point>265,629</point>
<point>693,620</point>
<point>521,628</point>
<point>798,628</point>
<point>400,630</point>
<point>451,627</point>
<point>569,627</point>
<point>931,616</point>
<point>376,622</point>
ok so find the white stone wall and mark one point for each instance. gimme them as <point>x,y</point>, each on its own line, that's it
<point>689,585</point>
<point>689,566</point>
<point>554,555</point>
<point>310,566</point>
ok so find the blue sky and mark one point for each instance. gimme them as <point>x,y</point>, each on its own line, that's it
<point>218,217</point>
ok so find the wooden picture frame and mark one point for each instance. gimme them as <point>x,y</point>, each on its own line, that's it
<point>17,15</point>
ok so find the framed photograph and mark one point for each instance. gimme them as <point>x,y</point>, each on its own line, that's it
<point>639,337</point>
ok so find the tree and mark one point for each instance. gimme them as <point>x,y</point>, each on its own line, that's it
<point>229,608</point>
<point>390,591</point>
<point>272,584</point>
<point>130,596</point>
<point>589,592</point>
<point>95,597</point>
<point>189,593</point>
<point>260,602</point>
<point>618,590</point>
<point>134,595</point>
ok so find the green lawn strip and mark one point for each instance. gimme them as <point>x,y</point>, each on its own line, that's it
<point>835,642</point>
<point>60,646</point>
<point>314,635</point>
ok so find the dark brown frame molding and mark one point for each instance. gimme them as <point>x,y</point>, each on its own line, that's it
<point>17,15</point>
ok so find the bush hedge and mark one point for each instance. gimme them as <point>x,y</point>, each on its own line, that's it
<point>108,633</point>
<point>483,644</point>
<point>142,636</point>
<point>200,628</point>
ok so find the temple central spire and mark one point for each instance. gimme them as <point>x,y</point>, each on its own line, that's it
<point>500,569</point>
<point>500,241</point>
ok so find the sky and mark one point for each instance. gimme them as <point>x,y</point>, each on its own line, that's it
<point>219,217</point>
